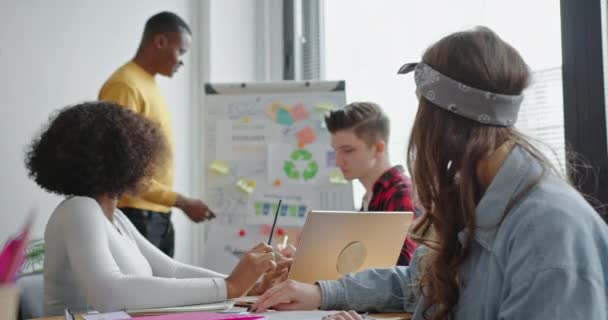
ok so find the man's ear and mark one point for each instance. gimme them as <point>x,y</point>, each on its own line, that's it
<point>160,41</point>
<point>380,147</point>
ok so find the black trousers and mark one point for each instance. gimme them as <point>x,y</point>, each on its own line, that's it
<point>154,226</point>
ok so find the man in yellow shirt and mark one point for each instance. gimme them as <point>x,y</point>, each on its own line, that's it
<point>165,40</point>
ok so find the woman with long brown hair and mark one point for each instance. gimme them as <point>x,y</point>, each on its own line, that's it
<point>503,235</point>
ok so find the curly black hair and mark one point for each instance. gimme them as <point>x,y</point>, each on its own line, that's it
<point>95,148</point>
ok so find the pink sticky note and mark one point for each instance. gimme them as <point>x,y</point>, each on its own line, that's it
<point>202,316</point>
<point>265,230</point>
<point>299,112</point>
<point>306,136</point>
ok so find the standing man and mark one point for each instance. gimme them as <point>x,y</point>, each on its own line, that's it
<point>165,40</point>
<point>359,135</point>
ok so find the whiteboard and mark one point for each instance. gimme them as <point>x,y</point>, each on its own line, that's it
<point>265,142</point>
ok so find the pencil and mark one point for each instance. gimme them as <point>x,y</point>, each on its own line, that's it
<point>276,214</point>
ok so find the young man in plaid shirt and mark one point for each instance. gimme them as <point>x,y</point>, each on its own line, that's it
<point>359,135</point>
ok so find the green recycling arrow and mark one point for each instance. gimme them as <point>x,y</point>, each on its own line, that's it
<point>311,171</point>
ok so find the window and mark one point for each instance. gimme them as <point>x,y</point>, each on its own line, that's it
<point>604,7</point>
<point>302,43</point>
<point>365,42</point>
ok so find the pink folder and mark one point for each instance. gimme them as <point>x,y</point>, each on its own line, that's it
<point>13,254</point>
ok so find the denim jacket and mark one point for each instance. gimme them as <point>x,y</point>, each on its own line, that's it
<point>548,259</point>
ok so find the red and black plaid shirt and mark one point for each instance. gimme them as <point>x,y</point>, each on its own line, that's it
<point>393,192</point>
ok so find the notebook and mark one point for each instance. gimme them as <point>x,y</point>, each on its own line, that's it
<point>204,316</point>
<point>218,306</point>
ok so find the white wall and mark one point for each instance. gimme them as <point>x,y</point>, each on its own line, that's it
<point>56,53</point>
<point>241,42</point>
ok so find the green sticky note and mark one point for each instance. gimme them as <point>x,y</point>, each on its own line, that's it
<point>284,117</point>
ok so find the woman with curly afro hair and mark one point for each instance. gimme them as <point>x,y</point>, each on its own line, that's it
<point>92,153</point>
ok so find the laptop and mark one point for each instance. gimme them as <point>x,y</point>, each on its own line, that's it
<point>335,243</point>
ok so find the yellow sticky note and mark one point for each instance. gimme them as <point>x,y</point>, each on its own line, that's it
<point>219,166</point>
<point>245,185</point>
<point>246,120</point>
<point>271,111</point>
<point>336,177</point>
<point>324,107</point>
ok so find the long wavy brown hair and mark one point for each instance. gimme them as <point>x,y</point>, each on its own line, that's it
<point>445,151</point>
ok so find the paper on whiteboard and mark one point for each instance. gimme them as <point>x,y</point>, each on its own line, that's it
<point>295,205</point>
<point>242,143</point>
<point>239,127</point>
<point>307,166</point>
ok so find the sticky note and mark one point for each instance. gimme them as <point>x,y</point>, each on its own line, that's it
<point>336,177</point>
<point>266,209</point>
<point>246,120</point>
<point>271,111</point>
<point>284,117</point>
<point>220,166</point>
<point>302,211</point>
<point>299,112</point>
<point>277,182</point>
<point>293,209</point>
<point>245,185</point>
<point>306,136</point>
<point>331,159</point>
<point>258,208</point>
<point>324,107</point>
<point>283,211</point>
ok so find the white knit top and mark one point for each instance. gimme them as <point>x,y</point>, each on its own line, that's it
<point>92,262</point>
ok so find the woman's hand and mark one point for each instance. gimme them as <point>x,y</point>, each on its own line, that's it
<point>290,295</point>
<point>272,278</point>
<point>287,251</point>
<point>252,265</point>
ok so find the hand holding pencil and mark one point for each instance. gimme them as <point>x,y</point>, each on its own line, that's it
<point>250,268</point>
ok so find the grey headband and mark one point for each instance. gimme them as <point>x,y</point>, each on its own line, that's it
<point>482,106</point>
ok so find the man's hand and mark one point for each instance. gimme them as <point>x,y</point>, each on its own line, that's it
<point>195,209</point>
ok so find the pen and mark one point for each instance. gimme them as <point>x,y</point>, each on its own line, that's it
<point>284,244</point>
<point>276,215</point>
